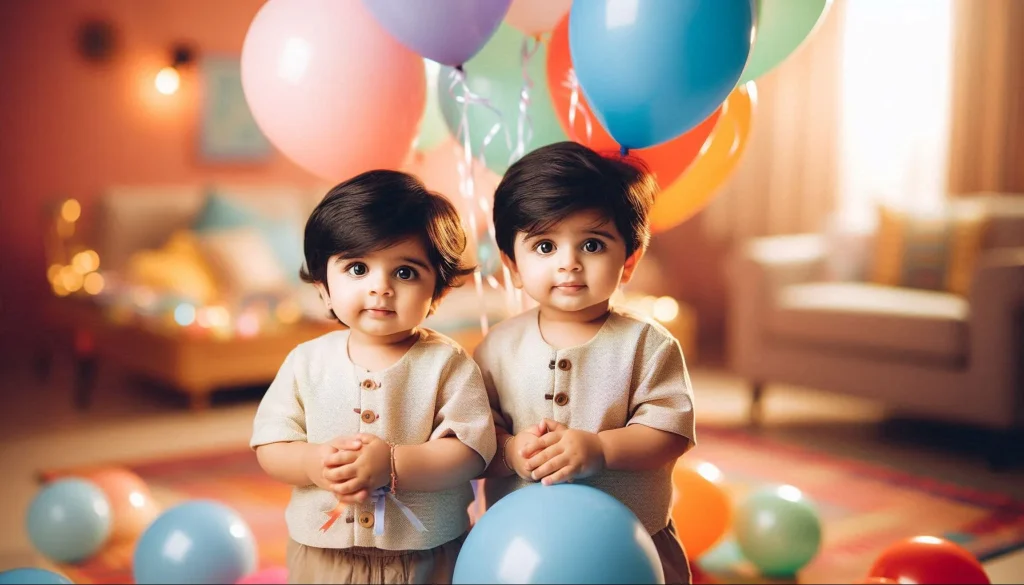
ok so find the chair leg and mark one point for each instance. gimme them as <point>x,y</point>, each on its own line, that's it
<point>756,404</point>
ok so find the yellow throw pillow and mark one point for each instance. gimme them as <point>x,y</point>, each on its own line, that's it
<point>178,268</point>
<point>934,252</point>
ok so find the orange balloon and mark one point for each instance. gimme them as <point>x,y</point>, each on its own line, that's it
<point>701,508</point>
<point>697,186</point>
<point>132,505</point>
<point>667,161</point>
<point>928,559</point>
<point>877,581</point>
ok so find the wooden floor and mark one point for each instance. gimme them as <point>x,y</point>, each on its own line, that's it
<point>39,428</point>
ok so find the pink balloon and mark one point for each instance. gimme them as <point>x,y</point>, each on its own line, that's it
<point>534,17</point>
<point>439,170</point>
<point>270,576</point>
<point>330,88</point>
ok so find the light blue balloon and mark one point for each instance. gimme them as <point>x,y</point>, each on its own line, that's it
<point>199,541</point>
<point>654,69</point>
<point>33,576</point>
<point>69,520</point>
<point>778,529</point>
<point>565,533</point>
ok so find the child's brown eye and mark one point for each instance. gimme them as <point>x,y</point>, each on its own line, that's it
<point>405,273</point>
<point>545,247</point>
<point>593,246</point>
<point>357,269</point>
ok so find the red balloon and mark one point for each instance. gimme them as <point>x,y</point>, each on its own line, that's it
<point>877,581</point>
<point>667,161</point>
<point>928,560</point>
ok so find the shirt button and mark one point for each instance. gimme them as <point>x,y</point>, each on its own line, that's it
<point>369,384</point>
<point>561,399</point>
<point>564,365</point>
<point>366,520</point>
<point>368,416</point>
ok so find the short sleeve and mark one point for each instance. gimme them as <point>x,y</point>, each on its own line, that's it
<point>280,416</point>
<point>663,399</point>
<point>462,408</point>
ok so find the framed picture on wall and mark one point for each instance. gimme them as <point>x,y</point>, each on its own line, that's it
<point>228,133</point>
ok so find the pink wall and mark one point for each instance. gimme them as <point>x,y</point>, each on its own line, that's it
<point>68,127</point>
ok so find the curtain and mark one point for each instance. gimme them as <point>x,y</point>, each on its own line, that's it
<point>987,145</point>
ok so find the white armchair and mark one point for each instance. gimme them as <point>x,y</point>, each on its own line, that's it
<point>927,352</point>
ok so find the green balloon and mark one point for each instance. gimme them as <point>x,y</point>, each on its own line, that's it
<point>782,25</point>
<point>778,530</point>
<point>496,74</point>
<point>433,129</point>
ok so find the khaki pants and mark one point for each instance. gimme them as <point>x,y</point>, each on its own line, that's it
<point>308,564</point>
<point>673,557</point>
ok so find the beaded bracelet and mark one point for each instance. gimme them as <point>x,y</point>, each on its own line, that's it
<point>504,447</point>
<point>394,475</point>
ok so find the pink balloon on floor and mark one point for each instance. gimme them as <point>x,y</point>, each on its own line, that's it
<point>132,505</point>
<point>439,170</point>
<point>330,88</point>
<point>268,576</point>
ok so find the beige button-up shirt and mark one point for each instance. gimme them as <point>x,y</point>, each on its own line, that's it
<point>631,372</point>
<point>434,391</point>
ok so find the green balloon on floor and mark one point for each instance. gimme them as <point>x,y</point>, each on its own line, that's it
<point>778,530</point>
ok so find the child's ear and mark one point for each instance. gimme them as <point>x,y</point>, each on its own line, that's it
<point>324,295</point>
<point>630,266</point>
<point>509,263</point>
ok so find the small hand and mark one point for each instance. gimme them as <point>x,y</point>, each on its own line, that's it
<point>564,454</point>
<point>523,443</point>
<point>354,474</point>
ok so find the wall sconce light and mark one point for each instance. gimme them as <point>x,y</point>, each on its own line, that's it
<point>168,79</point>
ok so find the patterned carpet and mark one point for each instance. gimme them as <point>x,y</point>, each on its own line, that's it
<point>864,507</point>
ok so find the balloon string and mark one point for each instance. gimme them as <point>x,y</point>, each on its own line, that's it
<point>467,186</point>
<point>576,107</point>
<point>524,125</point>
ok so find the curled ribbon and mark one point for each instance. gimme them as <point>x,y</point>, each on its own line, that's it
<point>576,107</point>
<point>467,188</point>
<point>524,125</point>
<point>379,497</point>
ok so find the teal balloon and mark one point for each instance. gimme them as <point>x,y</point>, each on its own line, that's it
<point>566,533</point>
<point>199,541</point>
<point>69,520</point>
<point>782,26</point>
<point>778,530</point>
<point>33,576</point>
<point>496,74</point>
<point>433,129</point>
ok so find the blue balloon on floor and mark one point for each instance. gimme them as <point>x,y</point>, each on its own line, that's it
<point>558,534</point>
<point>200,541</point>
<point>778,530</point>
<point>33,576</point>
<point>69,520</point>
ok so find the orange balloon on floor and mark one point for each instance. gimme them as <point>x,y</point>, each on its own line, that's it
<point>667,161</point>
<point>131,504</point>
<point>692,191</point>
<point>701,508</point>
<point>928,559</point>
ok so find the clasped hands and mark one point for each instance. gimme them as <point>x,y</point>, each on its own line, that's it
<point>552,453</point>
<point>350,467</point>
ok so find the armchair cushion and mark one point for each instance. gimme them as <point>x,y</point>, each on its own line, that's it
<point>932,252</point>
<point>872,318</point>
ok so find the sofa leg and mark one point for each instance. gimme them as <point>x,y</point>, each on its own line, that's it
<point>756,404</point>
